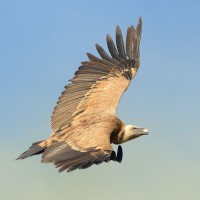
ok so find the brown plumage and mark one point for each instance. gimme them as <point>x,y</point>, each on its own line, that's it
<point>84,120</point>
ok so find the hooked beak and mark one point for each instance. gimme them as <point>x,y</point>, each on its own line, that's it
<point>145,131</point>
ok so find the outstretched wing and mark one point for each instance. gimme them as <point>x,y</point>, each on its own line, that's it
<point>99,83</point>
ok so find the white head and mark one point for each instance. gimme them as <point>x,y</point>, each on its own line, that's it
<point>132,132</point>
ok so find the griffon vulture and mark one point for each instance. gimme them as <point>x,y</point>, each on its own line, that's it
<point>84,119</point>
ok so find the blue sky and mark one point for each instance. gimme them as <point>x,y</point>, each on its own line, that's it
<point>42,43</point>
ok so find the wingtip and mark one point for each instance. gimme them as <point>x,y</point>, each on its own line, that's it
<point>118,29</point>
<point>89,55</point>
<point>108,37</point>
<point>140,21</point>
<point>97,45</point>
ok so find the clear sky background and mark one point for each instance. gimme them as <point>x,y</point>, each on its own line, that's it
<point>42,43</point>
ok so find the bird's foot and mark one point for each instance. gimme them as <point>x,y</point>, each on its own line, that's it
<point>119,155</point>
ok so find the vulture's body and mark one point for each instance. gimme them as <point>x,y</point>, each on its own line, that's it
<point>84,120</point>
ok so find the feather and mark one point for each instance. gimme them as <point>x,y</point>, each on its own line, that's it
<point>129,43</point>
<point>103,54</point>
<point>112,48</point>
<point>120,43</point>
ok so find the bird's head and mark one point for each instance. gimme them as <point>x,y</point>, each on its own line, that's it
<point>132,132</point>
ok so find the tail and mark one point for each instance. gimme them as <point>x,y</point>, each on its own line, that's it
<point>35,149</point>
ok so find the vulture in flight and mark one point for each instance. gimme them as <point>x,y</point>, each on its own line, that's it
<point>84,120</point>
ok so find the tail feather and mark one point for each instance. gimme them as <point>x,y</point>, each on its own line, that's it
<point>34,149</point>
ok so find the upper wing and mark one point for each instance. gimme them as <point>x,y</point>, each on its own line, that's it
<point>99,83</point>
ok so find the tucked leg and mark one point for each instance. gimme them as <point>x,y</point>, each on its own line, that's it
<point>113,156</point>
<point>119,154</point>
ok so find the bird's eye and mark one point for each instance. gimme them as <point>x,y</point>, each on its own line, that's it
<point>135,127</point>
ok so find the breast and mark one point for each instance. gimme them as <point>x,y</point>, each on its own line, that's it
<point>118,132</point>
